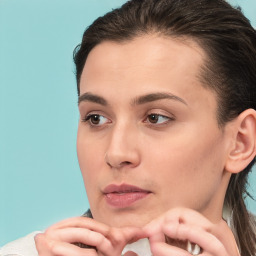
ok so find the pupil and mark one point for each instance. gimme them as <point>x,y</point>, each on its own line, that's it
<point>153,118</point>
<point>95,119</point>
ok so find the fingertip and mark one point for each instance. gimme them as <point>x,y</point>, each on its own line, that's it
<point>38,237</point>
<point>154,233</point>
<point>41,242</point>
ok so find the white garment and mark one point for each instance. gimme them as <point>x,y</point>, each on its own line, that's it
<point>24,246</point>
<point>141,248</point>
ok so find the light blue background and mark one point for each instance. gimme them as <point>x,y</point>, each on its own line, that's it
<point>40,181</point>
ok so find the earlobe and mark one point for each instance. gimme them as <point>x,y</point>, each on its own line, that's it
<point>244,149</point>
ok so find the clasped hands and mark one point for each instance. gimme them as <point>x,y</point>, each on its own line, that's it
<point>167,236</point>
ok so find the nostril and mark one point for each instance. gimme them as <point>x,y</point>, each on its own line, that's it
<point>125,163</point>
<point>119,160</point>
<point>118,165</point>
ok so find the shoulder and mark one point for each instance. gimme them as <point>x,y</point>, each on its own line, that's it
<point>24,246</point>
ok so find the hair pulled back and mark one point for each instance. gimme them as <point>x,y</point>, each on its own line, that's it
<point>229,42</point>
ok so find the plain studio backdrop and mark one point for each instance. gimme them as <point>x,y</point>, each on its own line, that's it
<point>40,180</point>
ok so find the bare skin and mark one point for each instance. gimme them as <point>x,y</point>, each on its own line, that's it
<point>59,239</point>
<point>183,224</point>
<point>154,160</point>
<point>179,224</point>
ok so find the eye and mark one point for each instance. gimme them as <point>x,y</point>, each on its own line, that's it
<point>157,119</point>
<point>95,119</point>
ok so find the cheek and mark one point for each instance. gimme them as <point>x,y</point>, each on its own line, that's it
<point>89,158</point>
<point>188,152</point>
<point>186,166</point>
<point>90,165</point>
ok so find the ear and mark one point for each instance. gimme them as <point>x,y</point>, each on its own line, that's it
<point>243,150</point>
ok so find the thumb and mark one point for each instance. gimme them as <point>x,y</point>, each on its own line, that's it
<point>154,232</point>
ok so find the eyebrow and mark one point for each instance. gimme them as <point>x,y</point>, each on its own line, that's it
<point>137,101</point>
<point>92,98</point>
<point>157,96</point>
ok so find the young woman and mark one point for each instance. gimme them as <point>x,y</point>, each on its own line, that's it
<point>167,134</point>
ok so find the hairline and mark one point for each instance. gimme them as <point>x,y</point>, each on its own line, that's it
<point>186,40</point>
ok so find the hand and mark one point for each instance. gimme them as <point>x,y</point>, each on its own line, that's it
<point>59,239</point>
<point>168,234</point>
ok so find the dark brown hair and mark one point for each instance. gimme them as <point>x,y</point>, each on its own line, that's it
<point>229,42</point>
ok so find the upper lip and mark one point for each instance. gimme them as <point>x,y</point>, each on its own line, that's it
<point>123,188</point>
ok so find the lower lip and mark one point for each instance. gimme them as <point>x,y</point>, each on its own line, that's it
<point>123,200</point>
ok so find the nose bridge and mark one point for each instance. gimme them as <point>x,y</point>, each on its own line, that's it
<point>122,147</point>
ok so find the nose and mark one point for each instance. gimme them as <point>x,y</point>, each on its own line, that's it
<point>122,150</point>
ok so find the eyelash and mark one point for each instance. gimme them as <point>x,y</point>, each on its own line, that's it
<point>89,117</point>
<point>156,116</point>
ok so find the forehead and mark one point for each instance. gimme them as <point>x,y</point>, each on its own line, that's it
<point>144,65</point>
<point>145,52</point>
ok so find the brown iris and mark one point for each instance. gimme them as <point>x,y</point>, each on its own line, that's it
<point>153,118</point>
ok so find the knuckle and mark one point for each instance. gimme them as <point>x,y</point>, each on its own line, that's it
<point>47,232</point>
<point>101,239</point>
<point>115,236</point>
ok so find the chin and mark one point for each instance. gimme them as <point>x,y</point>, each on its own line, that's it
<point>127,222</point>
<point>124,219</point>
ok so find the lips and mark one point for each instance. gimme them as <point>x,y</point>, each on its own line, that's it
<point>124,195</point>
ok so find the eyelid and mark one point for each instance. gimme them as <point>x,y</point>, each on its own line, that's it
<point>87,117</point>
<point>166,117</point>
<point>160,113</point>
<point>86,114</point>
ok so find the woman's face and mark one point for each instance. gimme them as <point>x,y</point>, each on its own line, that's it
<point>148,138</point>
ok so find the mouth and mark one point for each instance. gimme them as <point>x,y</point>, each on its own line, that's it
<point>124,195</point>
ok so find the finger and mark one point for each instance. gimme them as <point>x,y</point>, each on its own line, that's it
<point>163,249</point>
<point>42,245</point>
<point>207,241</point>
<point>219,229</point>
<point>81,235</point>
<point>114,243</point>
<point>81,222</point>
<point>46,247</point>
<point>126,234</point>
<point>153,230</point>
<point>120,237</point>
<point>66,249</point>
<point>187,216</point>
